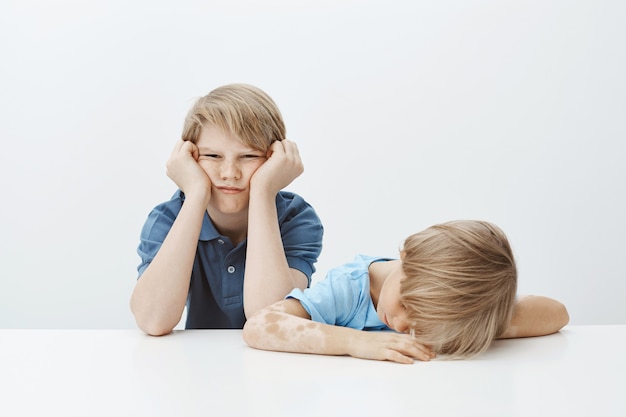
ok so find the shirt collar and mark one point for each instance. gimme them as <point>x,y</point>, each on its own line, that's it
<point>208,231</point>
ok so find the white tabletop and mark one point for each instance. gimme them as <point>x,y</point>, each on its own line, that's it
<point>579,371</point>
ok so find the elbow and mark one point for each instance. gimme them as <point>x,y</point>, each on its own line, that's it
<point>251,332</point>
<point>259,330</point>
<point>562,316</point>
<point>151,325</point>
<point>248,335</point>
<point>155,329</point>
<point>556,317</point>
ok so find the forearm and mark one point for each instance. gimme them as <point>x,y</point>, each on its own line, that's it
<point>274,330</point>
<point>160,294</point>
<point>285,327</point>
<point>536,316</point>
<point>268,277</point>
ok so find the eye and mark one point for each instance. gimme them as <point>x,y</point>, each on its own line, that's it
<point>209,156</point>
<point>251,156</point>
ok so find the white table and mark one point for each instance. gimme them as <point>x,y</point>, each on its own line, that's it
<point>579,371</point>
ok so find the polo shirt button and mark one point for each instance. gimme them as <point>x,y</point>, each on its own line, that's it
<point>231,269</point>
<point>220,241</point>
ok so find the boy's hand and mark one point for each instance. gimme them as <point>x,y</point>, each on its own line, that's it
<point>389,346</point>
<point>283,165</point>
<point>182,167</point>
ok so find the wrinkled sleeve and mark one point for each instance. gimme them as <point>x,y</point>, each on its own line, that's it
<point>302,233</point>
<point>153,233</point>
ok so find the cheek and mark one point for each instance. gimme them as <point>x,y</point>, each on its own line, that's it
<point>385,304</point>
<point>209,169</point>
<point>248,170</point>
<point>251,168</point>
<point>397,310</point>
<point>206,165</point>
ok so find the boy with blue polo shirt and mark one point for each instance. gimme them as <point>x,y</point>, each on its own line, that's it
<point>452,292</point>
<point>230,241</point>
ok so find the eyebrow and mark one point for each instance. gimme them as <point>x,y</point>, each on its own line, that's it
<point>204,149</point>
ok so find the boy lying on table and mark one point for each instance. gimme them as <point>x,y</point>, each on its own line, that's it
<point>452,292</point>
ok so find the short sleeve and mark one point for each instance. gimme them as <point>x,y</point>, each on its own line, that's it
<point>341,299</point>
<point>301,232</point>
<point>154,231</point>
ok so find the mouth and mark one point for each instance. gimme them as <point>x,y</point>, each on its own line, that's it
<point>230,190</point>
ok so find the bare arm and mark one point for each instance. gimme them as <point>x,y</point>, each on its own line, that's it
<point>159,296</point>
<point>268,277</point>
<point>536,316</point>
<point>286,326</point>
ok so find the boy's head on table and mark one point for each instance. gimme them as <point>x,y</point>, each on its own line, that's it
<point>454,288</point>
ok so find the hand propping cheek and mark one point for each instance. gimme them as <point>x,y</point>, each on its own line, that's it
<point>183,168</point>
<point>287,156</point>
<point>283,165</point>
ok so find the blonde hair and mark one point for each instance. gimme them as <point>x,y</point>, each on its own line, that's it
<point>241,109</point>
<point>460,286</point>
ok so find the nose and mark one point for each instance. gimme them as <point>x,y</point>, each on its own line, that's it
<point>230,170</point>
<point>401,324</point>
<point>399,327</point>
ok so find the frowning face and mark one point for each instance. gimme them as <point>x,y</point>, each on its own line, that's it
<point>230,164</point>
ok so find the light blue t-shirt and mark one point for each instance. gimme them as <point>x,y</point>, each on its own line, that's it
<point>343,297</point>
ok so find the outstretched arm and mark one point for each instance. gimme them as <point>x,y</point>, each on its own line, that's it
<point>536,316</point>
<point>286,326</point>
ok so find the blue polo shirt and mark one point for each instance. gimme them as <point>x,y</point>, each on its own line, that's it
<point>215,297</point>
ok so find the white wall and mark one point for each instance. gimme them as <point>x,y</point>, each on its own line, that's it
<point>406,113</point>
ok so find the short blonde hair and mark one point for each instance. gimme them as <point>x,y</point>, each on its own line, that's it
<point>241,109</point>
<point>460,286</point>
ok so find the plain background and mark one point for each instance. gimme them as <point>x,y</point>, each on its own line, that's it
<point>406,113</point>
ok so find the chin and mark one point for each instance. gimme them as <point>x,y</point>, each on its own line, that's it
<point>230,207</point>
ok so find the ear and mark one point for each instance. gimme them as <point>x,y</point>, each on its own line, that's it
<point>402,255</point>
